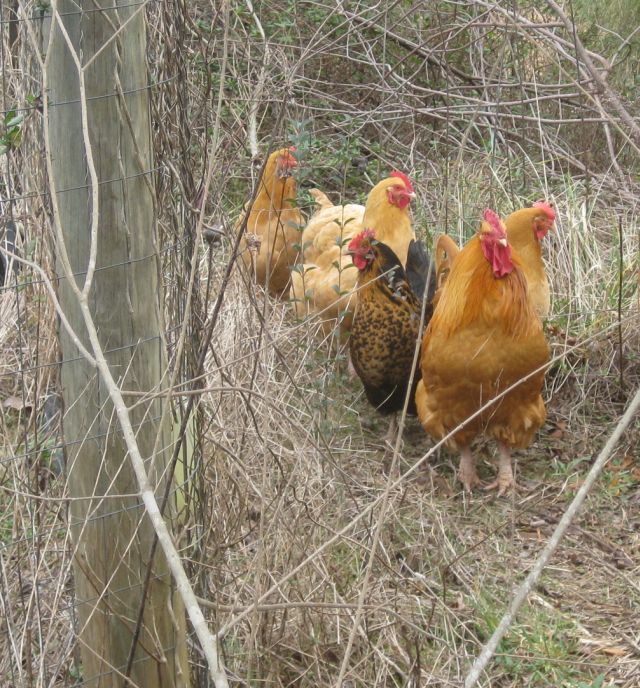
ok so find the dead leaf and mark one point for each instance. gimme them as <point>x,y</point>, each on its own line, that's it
<point>559,431</point>
<point>628,461</point>
<point>605,647</point>
<point>615,651</point>
<point>16,403</point>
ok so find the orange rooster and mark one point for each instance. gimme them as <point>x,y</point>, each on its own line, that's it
<point>273,224</point>
<point>484,336</point>
<point>386,322</point>
<point>324,284</point>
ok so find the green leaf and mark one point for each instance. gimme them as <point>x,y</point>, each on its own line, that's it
<point>13,121</point>
<point>13,137</point>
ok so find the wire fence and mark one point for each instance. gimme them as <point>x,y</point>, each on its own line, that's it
<point>319,568</point>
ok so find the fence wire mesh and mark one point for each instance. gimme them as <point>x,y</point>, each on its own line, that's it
<point>482,103</point>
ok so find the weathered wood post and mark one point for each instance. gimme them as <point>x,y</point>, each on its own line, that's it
<point>111,534</point>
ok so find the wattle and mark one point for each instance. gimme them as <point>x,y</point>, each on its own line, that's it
<point>501,263</point>
<point>541,232</point>
<point>499,257</point>
<point>360,262</point>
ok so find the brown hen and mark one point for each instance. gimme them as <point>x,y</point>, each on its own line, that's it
<point>273,225</point>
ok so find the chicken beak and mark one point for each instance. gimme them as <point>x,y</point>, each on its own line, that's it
<point>503,242</point>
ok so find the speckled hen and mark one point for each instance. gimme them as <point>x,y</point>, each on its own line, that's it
<point>386,323</point>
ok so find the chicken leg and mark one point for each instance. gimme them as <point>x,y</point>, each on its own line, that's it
<point>505,479</point>
<point>390,443</point>
<point>467,473</point>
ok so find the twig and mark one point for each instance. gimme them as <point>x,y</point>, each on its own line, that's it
<point>257,94</point>
<point>374,503</point>
<point>54,299</point>
<point>620,291</point>
<point>169,478</point>
<point>634,129</point>
<point>526,587</point>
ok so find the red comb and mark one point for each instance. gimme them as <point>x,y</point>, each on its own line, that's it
<point>494,220</point>
<point>288,158</point>
<point>359,238</point>
<point>547,208</point>
<point>407,182</point>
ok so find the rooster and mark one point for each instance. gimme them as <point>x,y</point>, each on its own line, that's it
<point>324,283</point>
<point>273,224</point>
<point>484,337</point>
<point>386,322</point>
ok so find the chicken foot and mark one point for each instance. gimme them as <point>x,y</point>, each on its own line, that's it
<point>505,480</point>
<point>467,473</point>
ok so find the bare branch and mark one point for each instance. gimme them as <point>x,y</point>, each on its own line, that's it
<point>527,585</point>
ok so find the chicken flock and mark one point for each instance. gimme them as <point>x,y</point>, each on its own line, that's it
<point>456,340</point>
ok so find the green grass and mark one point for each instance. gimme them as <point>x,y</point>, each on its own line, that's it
<point>541,648</point>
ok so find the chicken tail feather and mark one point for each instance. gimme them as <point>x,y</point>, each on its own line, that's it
<point>420,270</point>
<point>321,199</point>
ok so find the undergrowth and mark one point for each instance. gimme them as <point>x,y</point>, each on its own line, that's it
<point>480,111</point>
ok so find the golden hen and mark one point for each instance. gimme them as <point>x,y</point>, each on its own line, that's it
<point>525,230</point>
<point>484,337</point>
<point>446,250</point>
<point>324,284</point>
<point>328,227</point>
<point>273,224</point>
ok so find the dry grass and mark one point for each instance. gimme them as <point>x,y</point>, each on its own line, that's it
<point>296,462</point>
<point>293,520</point>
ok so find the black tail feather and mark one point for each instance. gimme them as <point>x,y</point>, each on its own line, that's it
<point>421,271</point>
